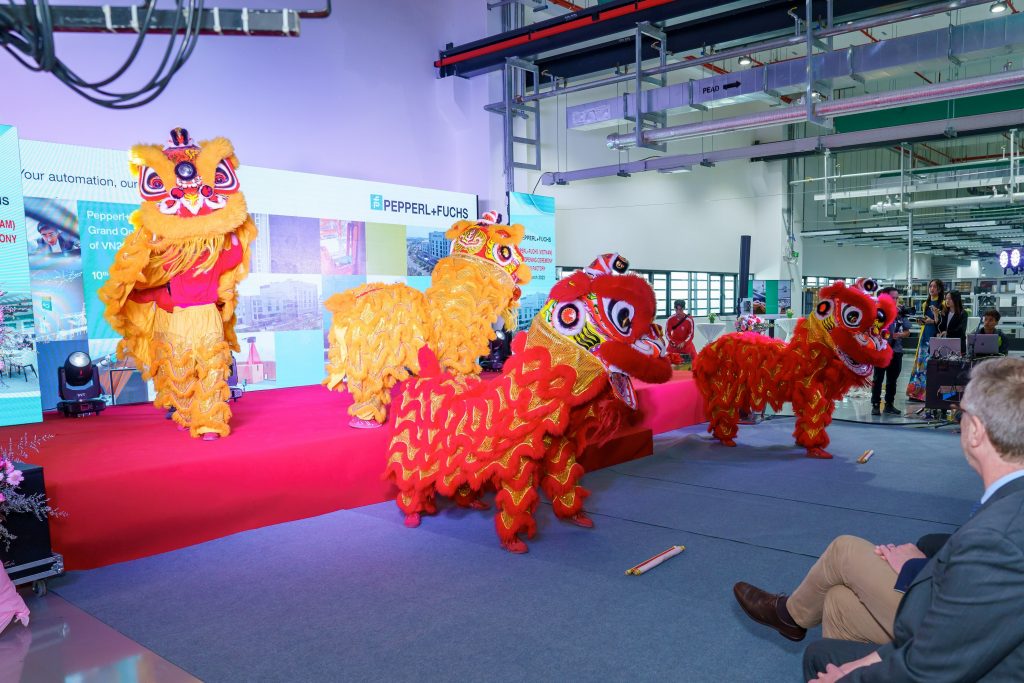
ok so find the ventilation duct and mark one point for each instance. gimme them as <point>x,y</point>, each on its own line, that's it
<point>981,85</point>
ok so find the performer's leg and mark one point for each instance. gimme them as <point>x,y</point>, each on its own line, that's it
<point>813,416</point>
<point>560,474</point>
<point>201,362</point>
<point>516,501</point>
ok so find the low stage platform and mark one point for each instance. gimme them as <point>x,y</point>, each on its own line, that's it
<point>131,485</point>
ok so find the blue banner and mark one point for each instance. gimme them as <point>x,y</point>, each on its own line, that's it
<point>537,214</point>
<point>19,377</point>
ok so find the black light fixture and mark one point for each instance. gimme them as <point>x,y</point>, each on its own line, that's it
<point>745,60</point>
<point>1010,261</point>
<point>998,7</point>
<point>78,384</point>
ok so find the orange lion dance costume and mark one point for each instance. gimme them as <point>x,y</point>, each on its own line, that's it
<point>567,383</point>
<point>171,291</point>
<point>377,330</point>
<point>831,351</point>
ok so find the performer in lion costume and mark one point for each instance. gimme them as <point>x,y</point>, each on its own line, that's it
<point>171,291</point>
<point>377,330</point>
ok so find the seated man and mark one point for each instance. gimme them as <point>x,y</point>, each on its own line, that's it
<point>960,617</point>
<point>988,326</point>
<point>853,591</point>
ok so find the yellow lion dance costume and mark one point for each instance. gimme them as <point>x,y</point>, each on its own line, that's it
<point>171,291</point>
<point>377,330</point>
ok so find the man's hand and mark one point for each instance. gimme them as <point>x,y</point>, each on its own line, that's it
<point>830,674</point>
<point>834,673</point>
<point>897,555</point>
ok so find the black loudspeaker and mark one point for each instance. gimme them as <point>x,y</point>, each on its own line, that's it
<point>33,535</point>
<point>743,286</point>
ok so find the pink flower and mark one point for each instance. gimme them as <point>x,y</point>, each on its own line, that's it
<point>15,477</point>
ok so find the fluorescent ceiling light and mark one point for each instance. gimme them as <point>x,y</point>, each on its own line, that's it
<point>970,224</point>
<point>991,228</point>
<point>677,169</point>
<point>821,233</point>
<point>890,228</point>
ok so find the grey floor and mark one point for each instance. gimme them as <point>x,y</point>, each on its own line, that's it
<point>354,595</point>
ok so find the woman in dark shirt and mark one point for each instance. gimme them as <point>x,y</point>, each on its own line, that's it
<point>953,323</point>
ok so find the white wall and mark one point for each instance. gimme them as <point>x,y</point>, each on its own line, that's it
<point>686,221</point>
<point>819,258</point>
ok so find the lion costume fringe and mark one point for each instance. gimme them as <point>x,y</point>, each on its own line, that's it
<point>377,330</point>
<point>192,231</point>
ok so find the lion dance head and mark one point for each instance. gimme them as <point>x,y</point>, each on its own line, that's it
<point>853,321</point>
<point>610,315</point>
<point>191,197</point>
<point>492,249</point>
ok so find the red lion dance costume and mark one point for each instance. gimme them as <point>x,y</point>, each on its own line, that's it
<point>566,384</point>
<point>377,330</point>
<point>171,292</point>
<point>831,351</point>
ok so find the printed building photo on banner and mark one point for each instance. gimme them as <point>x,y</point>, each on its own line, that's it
<point>425,247</point>
<point>342,247</point>
<point>19,374</point>
<point>272,301</point>
<point>294,244</point>
<point>256,363</point>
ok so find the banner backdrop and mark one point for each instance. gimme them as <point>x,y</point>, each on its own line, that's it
<point>537,215</point>
<point>19,377</point>
<point>318,235</point>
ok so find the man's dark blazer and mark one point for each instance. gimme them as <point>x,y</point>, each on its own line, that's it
<point>962,618</point>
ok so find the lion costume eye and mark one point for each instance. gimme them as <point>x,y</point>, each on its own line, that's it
<point>852,315</point>
<point>224,178</point>
<point>824,309</point>
<point>620,314</point>
<point>502,254</point>
<point>151,185</point>
<point>568,318</point>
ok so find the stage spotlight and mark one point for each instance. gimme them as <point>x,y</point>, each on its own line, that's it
<point>997,7</point>
<point>745,61</point>
<point>78,384</point>
<point>1015,259</point>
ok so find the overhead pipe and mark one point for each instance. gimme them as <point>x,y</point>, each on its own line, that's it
<point>989,200</point>
<point>764,46</point>
<point>981,85</point>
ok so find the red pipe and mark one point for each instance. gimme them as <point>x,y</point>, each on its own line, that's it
<point>524,39</point>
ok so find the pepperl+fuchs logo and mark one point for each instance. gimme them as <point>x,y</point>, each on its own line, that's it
<point>379,203</point>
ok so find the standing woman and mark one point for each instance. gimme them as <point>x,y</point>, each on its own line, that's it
<point>953,323</point>
<point>932,313</point>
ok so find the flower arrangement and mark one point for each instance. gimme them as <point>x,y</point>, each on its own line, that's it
<point>11,499</point>
<point>712,317</point>
<point>751,323</point>
<point>789,313</point>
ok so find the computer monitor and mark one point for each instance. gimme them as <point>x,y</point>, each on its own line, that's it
<point>983,344</point>
<point>943,347</point>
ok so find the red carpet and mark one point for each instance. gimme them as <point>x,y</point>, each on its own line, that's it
<point>133,486</point>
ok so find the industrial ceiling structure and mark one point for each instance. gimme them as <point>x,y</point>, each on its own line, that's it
<point>906,117</point>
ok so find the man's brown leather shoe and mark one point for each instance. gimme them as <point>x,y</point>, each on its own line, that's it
<point>763,608</point>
